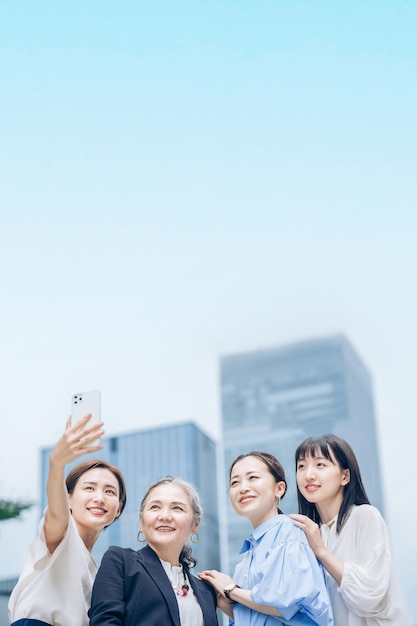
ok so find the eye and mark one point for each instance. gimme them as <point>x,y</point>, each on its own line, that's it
<point>111,492</point>
<point>253,476</point>
<point>89,488</point>
<point>153,507</point>
<point>178,507</point>
<point>300,466</point>
<point>234,483</point>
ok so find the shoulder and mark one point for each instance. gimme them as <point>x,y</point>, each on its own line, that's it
<point>203,587</point>
<point>130,559</point>
<point>285,531</point>
<point>367,519</point>
<point>124,562</point>
<point>284,524</point>
<point>197,582</point>
<point>365,513</point>
<point>116,553</point>
<point>119,550</point>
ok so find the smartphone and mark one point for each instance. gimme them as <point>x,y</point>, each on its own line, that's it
<point>84,403</point>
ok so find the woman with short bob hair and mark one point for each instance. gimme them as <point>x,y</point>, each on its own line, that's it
<point>54,588</point>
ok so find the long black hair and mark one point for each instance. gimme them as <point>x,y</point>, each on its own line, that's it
<point>353,493</point>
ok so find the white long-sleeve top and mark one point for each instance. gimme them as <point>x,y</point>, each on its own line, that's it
<point>370,593</point>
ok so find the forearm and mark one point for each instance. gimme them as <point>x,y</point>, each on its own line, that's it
<point>57,512</point>
<point>243,596</point>
<point>225,605</point>
<point>333,565</point>
<point>56,491</point>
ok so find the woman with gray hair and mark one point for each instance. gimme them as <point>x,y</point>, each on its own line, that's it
<point>154,585</point>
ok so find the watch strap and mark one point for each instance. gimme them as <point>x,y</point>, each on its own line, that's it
<point>229,589</point>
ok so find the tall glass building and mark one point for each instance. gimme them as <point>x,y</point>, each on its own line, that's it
<point>272,399</point>
<point>147,455</point>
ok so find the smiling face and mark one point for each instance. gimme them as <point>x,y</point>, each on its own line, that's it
<point>254,492</point>
<point>167,520</point>
<point>322,481</point>
<point>95,500</point>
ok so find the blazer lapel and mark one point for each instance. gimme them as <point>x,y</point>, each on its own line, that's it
<point>205,599</point>
<point>153,566</point>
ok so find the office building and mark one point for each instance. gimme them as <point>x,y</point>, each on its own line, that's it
<point>272,399</point>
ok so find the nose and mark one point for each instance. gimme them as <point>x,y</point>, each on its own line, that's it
<point>244,486</point>
<point>99,496</point>
<point>165,513</point>
<point>309,473</point>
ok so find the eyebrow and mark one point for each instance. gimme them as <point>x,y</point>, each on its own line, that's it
<point>171,503</point>
<point>254,471</point>
<point>93,482</point>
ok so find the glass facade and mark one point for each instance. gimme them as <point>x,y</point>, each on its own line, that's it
<point>147,455</point>
<point>272,399</point>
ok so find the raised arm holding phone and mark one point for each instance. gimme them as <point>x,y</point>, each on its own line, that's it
<point>54,587</point>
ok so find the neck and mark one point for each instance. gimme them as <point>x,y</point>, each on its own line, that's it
<point>257,521</point>
<point>167,554</point>
<point>329,510</point>
<point>88,536</point>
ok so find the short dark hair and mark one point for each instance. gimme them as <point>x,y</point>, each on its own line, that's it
<point>353,492</point>
<point>80,469</point>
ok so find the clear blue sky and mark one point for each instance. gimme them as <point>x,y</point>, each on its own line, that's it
<point>182,180</point>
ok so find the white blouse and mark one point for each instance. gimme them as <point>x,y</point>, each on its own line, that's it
<point>370,593</point>
<point>188,606</point>
<point>55,588</point>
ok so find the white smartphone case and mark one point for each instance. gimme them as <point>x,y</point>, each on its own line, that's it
<point>84,403</point>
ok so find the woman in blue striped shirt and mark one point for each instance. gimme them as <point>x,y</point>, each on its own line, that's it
<point>279,580</point>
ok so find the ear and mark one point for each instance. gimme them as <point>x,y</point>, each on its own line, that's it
<point>280,489</point>
<point>345,476</point>
<point>196,525</point>
<point>118,511</point>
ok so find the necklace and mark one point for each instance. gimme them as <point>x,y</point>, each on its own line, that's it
<point>183,590</point>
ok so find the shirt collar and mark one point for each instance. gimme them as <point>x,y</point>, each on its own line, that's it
<point>260,531</point>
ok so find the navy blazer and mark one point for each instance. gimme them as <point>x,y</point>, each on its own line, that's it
<point>132,589</point>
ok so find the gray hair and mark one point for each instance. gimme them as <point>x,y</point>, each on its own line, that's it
<point>186,557</point>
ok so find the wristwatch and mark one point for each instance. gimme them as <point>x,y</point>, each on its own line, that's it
<point>229,588</point>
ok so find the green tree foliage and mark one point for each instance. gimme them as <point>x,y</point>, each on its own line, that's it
<point>10,509</point>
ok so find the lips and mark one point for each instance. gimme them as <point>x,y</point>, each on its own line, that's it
<point>165,529</point>
<point>311,488</point>
<point>97,511</point>
<point>246,499</point>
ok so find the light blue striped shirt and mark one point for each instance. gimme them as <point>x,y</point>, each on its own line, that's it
<point>281,570</point>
